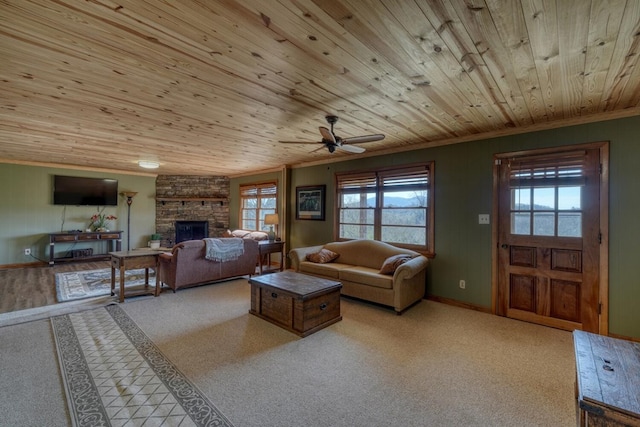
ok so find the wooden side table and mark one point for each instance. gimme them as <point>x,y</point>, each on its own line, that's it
<point>607,380</point>
<point>265,249</point>
<point>131,260</point>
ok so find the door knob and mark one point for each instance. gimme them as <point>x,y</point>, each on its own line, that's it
<point>504,246</point>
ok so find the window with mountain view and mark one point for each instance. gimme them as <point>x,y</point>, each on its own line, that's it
<point>546,199</point>
<point>393,205</point>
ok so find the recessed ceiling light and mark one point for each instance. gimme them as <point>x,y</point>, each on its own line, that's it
<point>148,164</point>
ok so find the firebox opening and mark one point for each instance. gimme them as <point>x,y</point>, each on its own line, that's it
<point>191,230</point>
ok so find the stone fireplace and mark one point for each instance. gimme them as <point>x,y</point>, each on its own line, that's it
<point>191,200</point>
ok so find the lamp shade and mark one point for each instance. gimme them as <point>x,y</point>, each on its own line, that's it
<point>129,194</point>
<point>271,219</point>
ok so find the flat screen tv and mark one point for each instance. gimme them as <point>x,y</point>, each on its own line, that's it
<point>81,191</point>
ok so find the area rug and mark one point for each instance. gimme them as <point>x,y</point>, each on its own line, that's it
<point>75,285</point>
<point>114,374</point>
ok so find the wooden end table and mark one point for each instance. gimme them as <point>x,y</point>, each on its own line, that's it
<point>134,259</point>
<point>296,302</point>
<point>265,249</point>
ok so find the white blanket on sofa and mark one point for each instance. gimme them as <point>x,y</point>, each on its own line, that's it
<point>227,249</point>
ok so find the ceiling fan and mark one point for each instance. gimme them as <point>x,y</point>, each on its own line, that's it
<point>333,142</point>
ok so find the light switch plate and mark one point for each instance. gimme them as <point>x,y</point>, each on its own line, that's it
<point>483,219</point>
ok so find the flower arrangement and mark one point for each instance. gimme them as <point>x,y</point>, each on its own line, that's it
<point>99,221</point>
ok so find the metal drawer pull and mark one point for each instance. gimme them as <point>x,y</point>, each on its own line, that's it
<point>274,295</point>
<point>323,306</point>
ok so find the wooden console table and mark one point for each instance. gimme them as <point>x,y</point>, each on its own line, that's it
<point>112,237</point>
<point>607,380</point>
<point>265,249</point>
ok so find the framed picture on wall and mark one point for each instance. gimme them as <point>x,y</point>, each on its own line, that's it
<point>310,202</point>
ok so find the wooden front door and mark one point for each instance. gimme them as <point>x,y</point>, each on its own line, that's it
<point>548,237</point>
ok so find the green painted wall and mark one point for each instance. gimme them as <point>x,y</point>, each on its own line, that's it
<point>27,213</point>
<point>463,182</point>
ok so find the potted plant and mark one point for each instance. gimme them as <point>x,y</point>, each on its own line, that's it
<point>100,221</point>
<point>154,243</point>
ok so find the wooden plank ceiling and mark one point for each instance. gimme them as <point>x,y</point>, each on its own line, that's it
<point>210,87</point>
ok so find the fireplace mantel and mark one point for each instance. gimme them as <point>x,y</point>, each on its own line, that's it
<point>192,199</point>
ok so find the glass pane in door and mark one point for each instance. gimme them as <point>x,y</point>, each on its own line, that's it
<point>521,223</point>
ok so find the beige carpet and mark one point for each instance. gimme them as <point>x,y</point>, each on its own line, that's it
<point>434,365</point>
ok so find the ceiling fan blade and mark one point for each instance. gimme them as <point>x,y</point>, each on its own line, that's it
<point>317,149</point>
<point>351,148</point>
<point>300,142</point>
<point>364,138</point>
<point>327,134</point>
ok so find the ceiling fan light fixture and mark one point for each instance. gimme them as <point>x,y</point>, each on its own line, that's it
<point>333,142</point>
<point>148,164</point>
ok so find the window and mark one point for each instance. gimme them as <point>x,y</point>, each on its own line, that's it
<point>546,195</point>
<point>257,200</point>
<point>390,205</point>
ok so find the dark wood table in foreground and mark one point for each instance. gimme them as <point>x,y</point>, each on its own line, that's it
<point>296,302</point>
<point>607,380</point>
<point>131,260</point>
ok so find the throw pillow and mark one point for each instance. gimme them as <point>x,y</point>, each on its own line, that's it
<point>240,233</point>
<point>390,264</point>
<point>258,235</point>
<point>323,256</point>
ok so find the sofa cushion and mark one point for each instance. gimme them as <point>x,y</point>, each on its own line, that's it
<point>366,253</point>
<point>330,270</point>
<point>390,264</point>
<point>366,276</point>
<point>323,256</point>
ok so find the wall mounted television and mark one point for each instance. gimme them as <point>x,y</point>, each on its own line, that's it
<point>81,191</point>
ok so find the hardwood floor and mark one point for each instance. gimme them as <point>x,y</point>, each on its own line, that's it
<point>31,287</point>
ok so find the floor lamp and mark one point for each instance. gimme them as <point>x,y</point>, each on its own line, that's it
<point>129,195</point>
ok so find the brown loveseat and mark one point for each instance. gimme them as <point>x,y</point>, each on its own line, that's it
<point>186,265</point>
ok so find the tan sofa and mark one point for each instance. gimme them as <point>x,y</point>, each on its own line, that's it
<point>358,269</point>
<point>186,265</point>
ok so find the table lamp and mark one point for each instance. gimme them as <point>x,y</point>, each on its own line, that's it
<point>271,220</point>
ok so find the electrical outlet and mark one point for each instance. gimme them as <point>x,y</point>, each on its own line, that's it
<point>463,284</point>
<point>483,219</point>
<point>27,251</point>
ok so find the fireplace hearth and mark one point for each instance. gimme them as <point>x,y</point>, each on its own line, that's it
<point>191,230</point>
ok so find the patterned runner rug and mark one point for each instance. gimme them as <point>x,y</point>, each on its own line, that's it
<point>115,375</point>
<point>76,285</point>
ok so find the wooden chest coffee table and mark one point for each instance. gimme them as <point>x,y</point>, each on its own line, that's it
<point>296,302</point>
<point>607,380</point>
